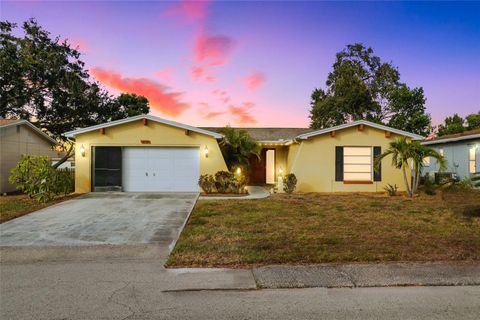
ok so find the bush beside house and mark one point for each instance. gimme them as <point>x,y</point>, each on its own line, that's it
<point>34,176</point>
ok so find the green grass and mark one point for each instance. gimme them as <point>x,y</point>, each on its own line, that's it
<point>14,206</point>
<point>317,228</point>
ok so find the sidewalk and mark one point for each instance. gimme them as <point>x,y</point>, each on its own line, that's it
<point>368,275</point>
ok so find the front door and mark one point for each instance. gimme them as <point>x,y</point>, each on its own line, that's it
<point>262,171</point>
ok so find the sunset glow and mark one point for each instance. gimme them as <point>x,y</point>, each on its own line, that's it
<point>209,63</point>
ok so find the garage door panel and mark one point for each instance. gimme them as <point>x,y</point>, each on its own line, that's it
<point>168,169</point>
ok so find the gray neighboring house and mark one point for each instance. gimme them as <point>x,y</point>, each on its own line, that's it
<point>461,150</point>
<point>18,137</point>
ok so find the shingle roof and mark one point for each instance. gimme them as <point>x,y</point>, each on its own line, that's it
<point>268,134</point>
<point>470,134</point>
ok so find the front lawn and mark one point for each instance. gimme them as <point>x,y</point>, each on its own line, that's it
<point>14,206</point>
<point>318,228</point>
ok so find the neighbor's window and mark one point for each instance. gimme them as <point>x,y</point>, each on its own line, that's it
<point>357,164</point>
<point>426,161</point>
<point>471,159</point>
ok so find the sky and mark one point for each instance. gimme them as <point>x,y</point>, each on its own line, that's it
<point>255,64</point>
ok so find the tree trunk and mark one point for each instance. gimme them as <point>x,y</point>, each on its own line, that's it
<point>417,178</point>
<point>64,158</point>
<point>407,185</point>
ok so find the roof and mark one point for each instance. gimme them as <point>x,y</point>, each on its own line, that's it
<point>4,123</point>
<point>269,134</point>
<point>74,133</point>
<point>466,135</point>
<point>356,123</point>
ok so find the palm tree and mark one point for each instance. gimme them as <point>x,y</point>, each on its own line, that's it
<point>400,152</point>
<point>238,147</point>
<point>419,152</point>
<point>409,156</point>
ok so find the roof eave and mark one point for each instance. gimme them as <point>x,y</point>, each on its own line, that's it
<point>34,128</point>
<point>440,141</point>
<point>73,133</point>
<point>355,123</point>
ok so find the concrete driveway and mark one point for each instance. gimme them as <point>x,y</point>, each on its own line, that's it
<point>103,219</point>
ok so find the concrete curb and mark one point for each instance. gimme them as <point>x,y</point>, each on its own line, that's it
<point>172,244</point>
<point>368,275</point>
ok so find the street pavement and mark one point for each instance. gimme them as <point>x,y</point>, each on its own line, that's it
<point>143,289</point>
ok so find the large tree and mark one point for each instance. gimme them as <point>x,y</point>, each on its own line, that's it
<point>457,124</point>
<point>361,86</point>
<point>44,81</point>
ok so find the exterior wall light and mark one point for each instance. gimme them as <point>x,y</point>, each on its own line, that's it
<point>280,171</point>
<point>205,151</point>
<point>239,170</point>
<point>82,150</point>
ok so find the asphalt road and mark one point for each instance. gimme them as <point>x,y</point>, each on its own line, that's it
<point>122,289</point>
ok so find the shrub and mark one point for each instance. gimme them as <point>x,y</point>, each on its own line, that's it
<point>465,184</point>
<point>34,176</point>
<point>391,190</point>
<point>429,187</point>
<point>207,183</point>
<point>290,183</point>
<point>224,181</point>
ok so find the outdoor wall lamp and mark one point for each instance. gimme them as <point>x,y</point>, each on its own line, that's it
<point>280,170</point>
<point>239,170</point>
<point>82,150</point>
<point>205,151</point>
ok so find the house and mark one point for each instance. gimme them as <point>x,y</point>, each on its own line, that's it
<point>461,150</point>
<point>19,137</point>
<point>146,153</point>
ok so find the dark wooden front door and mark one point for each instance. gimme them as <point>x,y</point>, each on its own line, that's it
<point>257,168</point>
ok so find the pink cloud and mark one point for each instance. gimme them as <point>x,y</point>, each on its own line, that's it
<point>79,44</point>
<point>242,113</point>
<point>254,80</point>
<point>197,73</point>
<point>212,50</point>
<point>165,75</point>
<point>189,10</point>
<point>158,96</point>
<point>213,114</point>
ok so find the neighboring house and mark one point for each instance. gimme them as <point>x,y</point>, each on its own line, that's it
<point>461,150</point>
<point>19,137</point>
<point>147,153</point>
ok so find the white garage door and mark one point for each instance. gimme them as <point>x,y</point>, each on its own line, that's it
<point>155,169</point>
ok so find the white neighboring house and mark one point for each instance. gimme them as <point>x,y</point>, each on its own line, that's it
<point>19,137</point>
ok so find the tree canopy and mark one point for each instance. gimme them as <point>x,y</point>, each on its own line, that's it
<point>44,81</point>
<point>362,87</point>
<point>457,124</point>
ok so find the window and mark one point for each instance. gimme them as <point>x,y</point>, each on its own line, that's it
<point>426,161</point>
<point>357,164</point>
<point>471,159</point>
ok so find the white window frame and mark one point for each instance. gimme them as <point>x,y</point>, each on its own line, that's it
<point>349,161</point>
<point>472,159</point>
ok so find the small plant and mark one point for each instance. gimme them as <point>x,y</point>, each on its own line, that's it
<point>207,183</point>
<point>465,184</point>
<point>391,190</point>
<point>290,183</point>
<point>429,187</point>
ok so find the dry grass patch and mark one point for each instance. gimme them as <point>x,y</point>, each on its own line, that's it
<point>14,206</point>
<point>317,228</point>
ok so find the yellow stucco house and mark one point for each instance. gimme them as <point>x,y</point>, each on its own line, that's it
<point>151,154</point>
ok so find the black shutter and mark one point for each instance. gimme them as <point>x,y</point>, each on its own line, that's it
<point>338,163</point>
<point>377,174</point>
